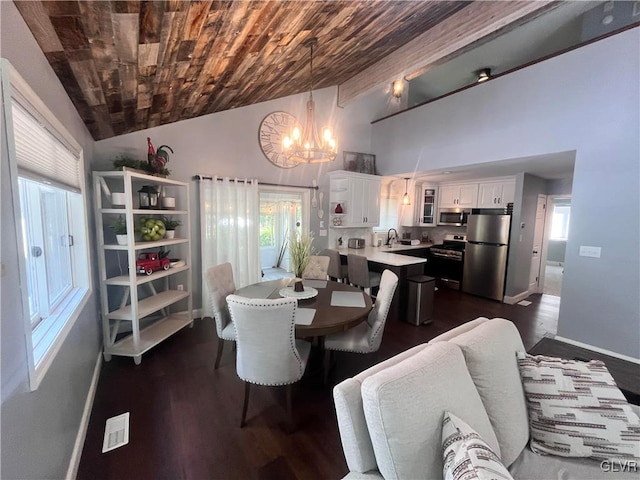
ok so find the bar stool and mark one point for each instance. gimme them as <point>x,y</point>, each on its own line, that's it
<point>336,271</point>
<point>359,274</point>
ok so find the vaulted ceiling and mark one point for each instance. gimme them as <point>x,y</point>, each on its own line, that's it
<point>131,65</point>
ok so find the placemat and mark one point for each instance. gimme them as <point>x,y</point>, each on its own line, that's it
<point>304,316</point>
<point>257,291</point>
<point>347,299</point>
<point>315,283</point>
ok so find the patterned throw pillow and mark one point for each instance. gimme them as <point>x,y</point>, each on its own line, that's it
<point>576,409</point>
<point>466,455</point>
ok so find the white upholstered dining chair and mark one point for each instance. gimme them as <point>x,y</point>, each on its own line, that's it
<point>367,336</point>
<point>220,283</point>
<point>267,350</point>
<point>317,268</point>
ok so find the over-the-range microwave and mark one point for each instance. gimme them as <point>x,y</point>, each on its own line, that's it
<point>453,216</point>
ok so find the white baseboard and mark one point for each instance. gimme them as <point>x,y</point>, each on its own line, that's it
<point>517,298</point>
<point>74,463</point>
<point>597,349</point>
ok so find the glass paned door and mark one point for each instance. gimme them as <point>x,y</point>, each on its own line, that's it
<point>280,217</point>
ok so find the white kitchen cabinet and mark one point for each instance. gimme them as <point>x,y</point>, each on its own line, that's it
<point>422,211</point>
<point>359,198</point>
<point>141,310</point>
<point>464,195</point>
<point>496,194</point>
<point>427,206</point>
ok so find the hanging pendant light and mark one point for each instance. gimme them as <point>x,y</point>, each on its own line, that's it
<point>307,146</point>
<point>406,199</point>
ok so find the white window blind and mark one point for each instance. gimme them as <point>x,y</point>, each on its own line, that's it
<point>40,154</point>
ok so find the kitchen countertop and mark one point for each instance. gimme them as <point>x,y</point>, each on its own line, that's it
<point>386,255</point>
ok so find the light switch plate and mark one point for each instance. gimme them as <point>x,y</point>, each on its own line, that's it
<point>323,233</point>
<point>587,251</point>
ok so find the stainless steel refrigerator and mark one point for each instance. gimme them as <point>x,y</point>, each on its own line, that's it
<point>485,255</point>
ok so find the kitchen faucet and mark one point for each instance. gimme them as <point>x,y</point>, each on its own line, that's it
<point>390,238</point>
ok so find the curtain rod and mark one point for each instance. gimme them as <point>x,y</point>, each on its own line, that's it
<point>209,177</point>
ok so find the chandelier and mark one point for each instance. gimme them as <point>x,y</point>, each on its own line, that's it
<point>308,146</point>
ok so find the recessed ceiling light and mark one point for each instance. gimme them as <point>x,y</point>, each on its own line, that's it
<point>484,75</point>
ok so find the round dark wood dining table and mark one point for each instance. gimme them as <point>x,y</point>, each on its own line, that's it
<point>327,319</point>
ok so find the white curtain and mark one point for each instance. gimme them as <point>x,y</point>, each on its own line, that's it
<point>229,226</point>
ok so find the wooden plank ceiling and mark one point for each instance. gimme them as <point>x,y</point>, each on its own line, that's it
<point>131,65</point>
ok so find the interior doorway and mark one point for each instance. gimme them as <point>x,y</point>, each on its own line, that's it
<point>283,213</point>
<point>558,221</point>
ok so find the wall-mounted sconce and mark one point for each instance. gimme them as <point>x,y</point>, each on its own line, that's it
<point>396,88</point>
<point>406,199</point>
<point>484,75</point>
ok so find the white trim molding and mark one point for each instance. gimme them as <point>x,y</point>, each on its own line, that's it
<point>515,299</point>
<point>74,462</point>
<point>597,349</point>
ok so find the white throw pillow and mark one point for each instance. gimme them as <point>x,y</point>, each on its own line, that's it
<point>577,410</point>
<point>466,456</point>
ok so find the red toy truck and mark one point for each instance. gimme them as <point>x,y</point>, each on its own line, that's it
<point>150,262</point>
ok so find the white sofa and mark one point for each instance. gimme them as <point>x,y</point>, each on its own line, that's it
<point>390,416</point>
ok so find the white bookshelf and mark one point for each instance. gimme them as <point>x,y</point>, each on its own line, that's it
<point>162,301</point>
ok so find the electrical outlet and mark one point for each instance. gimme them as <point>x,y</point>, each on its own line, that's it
<point>181,287</point>
<point>323,233</point>
<point>586,251</point>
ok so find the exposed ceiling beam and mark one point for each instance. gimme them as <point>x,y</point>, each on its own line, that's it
<point>454,35</point>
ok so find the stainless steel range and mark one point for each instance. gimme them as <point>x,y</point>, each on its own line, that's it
<point>446,261</point>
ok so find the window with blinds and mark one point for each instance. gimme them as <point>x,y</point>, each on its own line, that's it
<point>40,154</point>
<point>46,168</point>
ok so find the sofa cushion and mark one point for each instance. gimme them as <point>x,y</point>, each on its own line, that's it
<point>490,353</point>
<point>454,332</point>
<point>576,410</point>
<point>354,434</point>
<point>404,405</point>
<point>466,456</point>
<point>531,466</point>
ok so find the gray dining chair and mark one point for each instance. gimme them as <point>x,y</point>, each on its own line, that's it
<point>317,268</point>
<point>220,283</point>
<point>367,336</point>
<point>359,274</point>
<point>267,350</point>
<point>336,270</point>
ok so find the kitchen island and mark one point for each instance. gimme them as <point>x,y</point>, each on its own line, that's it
<point>399,260</point>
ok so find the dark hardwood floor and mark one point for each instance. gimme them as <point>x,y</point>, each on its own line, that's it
<point>185,415</point>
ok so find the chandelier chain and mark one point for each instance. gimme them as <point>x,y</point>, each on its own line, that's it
<point>311,67</point>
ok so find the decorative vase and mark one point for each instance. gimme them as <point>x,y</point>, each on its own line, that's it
<point>122,239</point>
<point>170,234</point>
<point>338,208</point>
<point>298,286</point>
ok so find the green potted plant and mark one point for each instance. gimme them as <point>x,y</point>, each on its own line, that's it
<point>170,225</point>
<point>300,249</point>
<point>119,227</point>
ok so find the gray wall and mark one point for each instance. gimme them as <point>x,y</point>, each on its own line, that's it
<point>39,428</point>
<point>528,187</point>
<point>554,106</point>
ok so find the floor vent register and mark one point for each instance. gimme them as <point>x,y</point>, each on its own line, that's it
<point>116,432</point>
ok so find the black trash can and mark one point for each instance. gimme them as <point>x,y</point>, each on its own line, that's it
<point>421,290</point>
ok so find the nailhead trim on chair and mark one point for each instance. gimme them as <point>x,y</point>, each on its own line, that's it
<point>375,334</point>
<point>291,341</point>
